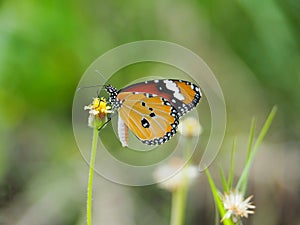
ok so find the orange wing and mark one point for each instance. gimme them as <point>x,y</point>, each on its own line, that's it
<point>183,95</point>
<point>150,117</point>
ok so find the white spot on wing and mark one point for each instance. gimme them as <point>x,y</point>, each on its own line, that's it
<point>172,86</point>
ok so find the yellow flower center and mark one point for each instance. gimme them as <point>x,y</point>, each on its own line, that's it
<point>99,104</point>
<point>97,110</point>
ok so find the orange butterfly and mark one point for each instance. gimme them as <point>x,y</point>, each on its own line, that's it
<point>151,109</point>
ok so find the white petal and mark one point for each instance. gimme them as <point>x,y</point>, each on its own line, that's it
<point>94,112</point>
<point>91,120</point>
<point>227,215</point>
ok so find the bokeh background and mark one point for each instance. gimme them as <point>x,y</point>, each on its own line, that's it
<point>253,47</point>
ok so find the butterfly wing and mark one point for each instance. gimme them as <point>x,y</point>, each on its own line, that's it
<point>183,95</point>
<point>150,117</point>
<point>122,132</point>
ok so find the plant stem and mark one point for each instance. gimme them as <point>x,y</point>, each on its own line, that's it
<point>91,175</point>
<point>178,204</point>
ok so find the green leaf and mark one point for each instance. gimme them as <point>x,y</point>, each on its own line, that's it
<point>244,177</point>
<point>231,170</point>
<point>251,136</point>
<point>217,199</point>
<point>249,148</point>
<point>224,181</point>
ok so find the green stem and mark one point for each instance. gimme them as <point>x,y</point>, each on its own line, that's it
<point>179,195</point>
<point>91,175</point>
<point>179,204</point>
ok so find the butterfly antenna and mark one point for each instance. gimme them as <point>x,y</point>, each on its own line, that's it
<point>96,85</point>
<point>90,86</point>
<point>97,71</point>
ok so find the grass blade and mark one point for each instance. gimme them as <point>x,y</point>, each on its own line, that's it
<point>249,148</point>
<point>217,199</point>
<point>224,181</point>
<point>251,137</point>
<point>264,130</point>
<point>231,170</point>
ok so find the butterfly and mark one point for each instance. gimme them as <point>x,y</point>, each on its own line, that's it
<point>151,109</point>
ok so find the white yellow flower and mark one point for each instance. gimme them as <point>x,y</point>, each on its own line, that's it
<point>97,110</point>
<point>235,205</point>
<point>173,182</point>
<point>190,127</point>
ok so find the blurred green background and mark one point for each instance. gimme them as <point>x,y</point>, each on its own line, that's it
<point>253,47</point>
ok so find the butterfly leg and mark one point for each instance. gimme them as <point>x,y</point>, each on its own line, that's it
<point>109,119</point>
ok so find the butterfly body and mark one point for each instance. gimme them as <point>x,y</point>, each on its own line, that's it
<point>151,109</point>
